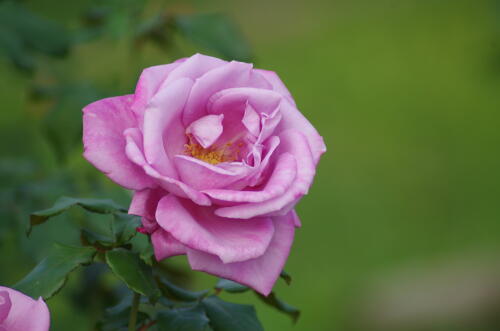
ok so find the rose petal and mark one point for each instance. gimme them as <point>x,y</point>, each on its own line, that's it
<point>104,122</point>
<point>149,82</point>
<point>198,228</point>
<point>201,175</point>
<point>277,84</point>
<point>281,179</point>
<point>179,188</point>
<point>206,129</point>
<point>193,68</point>
<point>292,142</point>
<point>296,219</point>
<point>25,313</point>
<point>251,120</point>
<point>165,245</point>
<point>5,305</point>
<point>236,98</point>
<point>232,74</point>
<point>293,119</point>
<point>144,202</point>
<point>162,115</point>
<point>171,185</point>
<point>260,273</point>
<point>271,144</point>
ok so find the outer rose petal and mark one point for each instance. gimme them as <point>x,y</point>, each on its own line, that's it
<point>194,67</point>
<point>277,84</point>
<point>25,314</point>
<point>144,202</point>
<point>5,305</point>
<point>198,228</point>
<point>293,119</point>
<point>165,245</point>
<point>104,145</point>
<point>259,273</point>
<point>295,143</point>
<point>149,82</point>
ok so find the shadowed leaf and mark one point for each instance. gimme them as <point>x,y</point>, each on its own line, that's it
<point>226,316</point>
<point>49,276</point>
<point>104,206</point>
<point>230,286</point>
<point>184,319</point>
<point>215,32</point>
<point>128,267</point>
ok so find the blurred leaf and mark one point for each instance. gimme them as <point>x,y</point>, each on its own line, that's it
<point>226,316</point>
<point>22,32</point>
<point>62,124</point>
<point>114,18</point>
<point>101,206</point>
<point>157,29</point>
<point>49,276</point>
<point>13,47</point>
<point>184,319</point>
<point>215,32</point>
<point>286,277</point>
<point>127,266</point>
<point>172,291</point>
<point>230,286</point>
<point>280,305</point>
<point>116,318</point>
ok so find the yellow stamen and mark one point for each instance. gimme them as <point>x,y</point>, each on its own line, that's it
<point>209,155</point>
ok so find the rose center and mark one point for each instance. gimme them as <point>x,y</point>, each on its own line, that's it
<point>228,152</point>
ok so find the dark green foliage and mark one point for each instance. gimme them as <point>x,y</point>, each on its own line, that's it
<point>128,266</point>
<point>23,33</point>
<point>49,276</point>
<point>215,32</point>
<point>226,316</point>
<point>183,319</point>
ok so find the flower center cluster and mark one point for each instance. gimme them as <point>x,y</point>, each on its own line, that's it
<point>229,152</point>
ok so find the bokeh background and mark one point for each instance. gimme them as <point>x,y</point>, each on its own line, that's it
<point>401,229</point>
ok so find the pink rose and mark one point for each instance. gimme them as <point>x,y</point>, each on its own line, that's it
<point>19,312</point>
<point>218,155</point>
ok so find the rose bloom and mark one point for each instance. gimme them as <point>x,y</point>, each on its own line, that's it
<point>19,312</point>
<point>218,155</point>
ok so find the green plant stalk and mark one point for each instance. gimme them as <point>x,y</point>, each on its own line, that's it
<point>133,312</point>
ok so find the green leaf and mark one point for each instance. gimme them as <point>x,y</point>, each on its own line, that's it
<point>49,276</point>
<point>29,33</point>
<point>280,305</point>
<point>176,293</point>
<point>117,317</point>
<point>286,277</point>
<point>230,286</point>
<point>99,241</point>
<point>104,206</point>
<point>128,267</point>
<point>226,316</point>
<point>215,32</point>
<point>184,319</point>
<point>124,227</point>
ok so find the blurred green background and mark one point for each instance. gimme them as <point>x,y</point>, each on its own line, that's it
<point>404,213</point>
